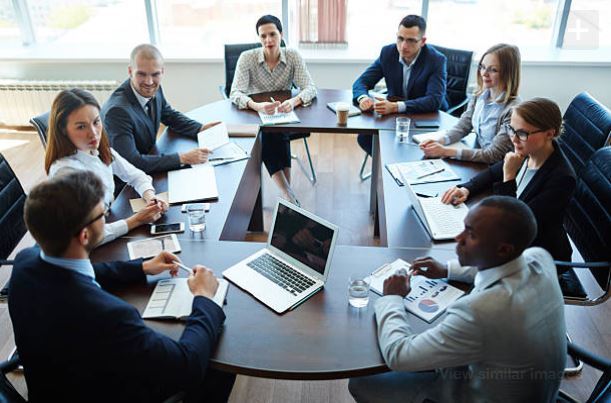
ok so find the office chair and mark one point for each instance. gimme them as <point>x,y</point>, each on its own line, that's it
<point>587,128</point>
<point>12,225</point>
<point>41,124</point>
<point>602,389</point>
<point>232,54</point>
<point>458,68</point>
<point>8,393</point>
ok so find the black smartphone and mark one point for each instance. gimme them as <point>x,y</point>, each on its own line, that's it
<point>426,124</point>
<point>158,229</point>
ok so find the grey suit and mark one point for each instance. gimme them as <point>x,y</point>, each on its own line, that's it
<point>504,342</point>
<point>133,133</point>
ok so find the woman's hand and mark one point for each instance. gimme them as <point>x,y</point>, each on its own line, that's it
<point>511,165</point>
<point>433,149</point>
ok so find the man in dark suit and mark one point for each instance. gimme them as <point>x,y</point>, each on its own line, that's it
<point>78,342</point>
<point>134,111</point>
<point>415,75</point>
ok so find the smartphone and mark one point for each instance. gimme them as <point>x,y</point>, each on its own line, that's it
<point>426,124</point>
<point>158,229</point>
<point>204,206</point>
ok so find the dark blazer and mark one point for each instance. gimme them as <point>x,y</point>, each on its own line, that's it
<point>79,343</point>
<point>547,194</point>
<point>426,90</point>
<point>133,134</point>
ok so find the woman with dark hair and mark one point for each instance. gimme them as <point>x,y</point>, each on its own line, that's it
<point>488,112</point>
<point>536,172</point>
<point>77,141</point>
<point>266,69</point>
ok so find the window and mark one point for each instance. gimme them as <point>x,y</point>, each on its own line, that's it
<point>91,21</point>
<point>9,30</point>
<point>209,24</point>
<point>588,25</point>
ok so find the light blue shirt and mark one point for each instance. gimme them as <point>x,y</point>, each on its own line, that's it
<point>407,71</point>
<point>81,266</point>
<point>143,101</point>
<point>485,116</point>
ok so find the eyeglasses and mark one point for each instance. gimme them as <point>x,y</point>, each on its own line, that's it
<point>96,218</point>
<point>489,70</point>
<point>521,134</point>
<point>410,41</point>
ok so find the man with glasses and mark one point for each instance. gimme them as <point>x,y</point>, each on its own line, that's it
<point>77,342</point>
<point>415,75</point>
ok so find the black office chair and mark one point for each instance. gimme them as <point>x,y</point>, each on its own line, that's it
<point>12,225</point>
<point>602,389</point>
<point>8,393</point>
<point>458,68</point>
<point>587,128</point>
<point>41,124</point>
<point>232,54</point>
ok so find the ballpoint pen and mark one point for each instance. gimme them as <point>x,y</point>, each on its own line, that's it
<point>431,173</point>
<point>220,158</point>
<point>182,266</point>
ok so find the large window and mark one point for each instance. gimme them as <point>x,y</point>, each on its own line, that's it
<point>588,25</point>
<point>9,30</point>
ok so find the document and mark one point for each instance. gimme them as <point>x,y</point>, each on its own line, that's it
<point>139,204</point>
<point>214,137</point>
<point>172,299</point>
<point>192,184</point>
<point>424,171</point>
<point>438,136</point>
<point>427,299</point>
<point>278,118</point>
<point>228,153</point>
<point>150,247</point>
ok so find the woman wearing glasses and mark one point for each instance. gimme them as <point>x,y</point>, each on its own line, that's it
<point>488,112</point>
<point>76,140</point>
<point>536,172</point>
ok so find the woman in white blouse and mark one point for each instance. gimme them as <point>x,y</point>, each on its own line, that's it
<point>76,140</point>
<point>488,113</point>
<point>267,69</point>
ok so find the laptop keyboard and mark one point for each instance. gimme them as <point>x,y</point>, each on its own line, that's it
<point>280,273</point>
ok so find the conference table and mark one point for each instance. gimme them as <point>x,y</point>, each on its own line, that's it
<point>323,338</point>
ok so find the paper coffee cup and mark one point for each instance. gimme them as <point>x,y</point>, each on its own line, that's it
<point>342,109</point>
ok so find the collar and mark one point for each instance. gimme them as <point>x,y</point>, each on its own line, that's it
<point>81,266</point>
<point>141,100</point>
<point>486,95</point>
<point>485,278</point>
<point>87,154</point>
<point>261,55</point>
<point>409,66</point>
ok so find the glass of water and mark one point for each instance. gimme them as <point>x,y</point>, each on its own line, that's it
<point>197,217</point>
<point>358,290</point>
<point>402,125</point>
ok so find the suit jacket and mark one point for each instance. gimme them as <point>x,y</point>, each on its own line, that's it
<point>77,342</point>
<point>133,133</point>
<point>509,332</point>
<point>426,89</point>
<point>547,194</point>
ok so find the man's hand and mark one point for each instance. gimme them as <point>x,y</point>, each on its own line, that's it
<point>366,104</point>
<point>202,282</point>
<point>455,195</point>
<point>432,149</point>
<point>160,263</point>
<point>209,125</point>
<point>397,285</point>
<point>511,165</point>
<point>385,107</point>
<point>195,156</point>
<point>429,267</point>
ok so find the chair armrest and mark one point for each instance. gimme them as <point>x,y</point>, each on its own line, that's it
<point>4,262</point>
<point>586,265</point>
<point>598,362</point>
<point>10,365</point>
<point>222,91</point>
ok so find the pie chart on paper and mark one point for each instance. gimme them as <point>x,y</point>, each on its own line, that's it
<point>428,305</point>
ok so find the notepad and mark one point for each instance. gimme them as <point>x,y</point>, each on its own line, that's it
<point>428,298</point>
<point>150,247</point>
<point>278,118</point>
<point>172,299</point>
<point>424,171</point>
<point>192,184</point>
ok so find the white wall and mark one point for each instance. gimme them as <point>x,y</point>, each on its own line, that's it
<point>191,84</point>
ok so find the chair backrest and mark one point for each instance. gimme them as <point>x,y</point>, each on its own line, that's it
<point>587,128</point>
<point>41,124</point>
<point>588,215</point>
<point>232,54</point>
<point>458,69</point>
<point>12,200</point>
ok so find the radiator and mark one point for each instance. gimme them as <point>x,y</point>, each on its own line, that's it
<point>22,100</point>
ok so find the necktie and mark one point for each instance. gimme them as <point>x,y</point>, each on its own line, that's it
<point>150,107</point>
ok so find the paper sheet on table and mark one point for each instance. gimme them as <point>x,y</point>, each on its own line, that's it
<point>192,184</point>
<point>424,171</point>
<point>214,137</point>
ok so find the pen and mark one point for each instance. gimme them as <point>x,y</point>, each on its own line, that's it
<point>182,266</point>
<point>425,195</point>
<point>220,158</point>
<point>431,173</point>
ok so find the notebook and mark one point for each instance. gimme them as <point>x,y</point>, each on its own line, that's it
<point>223,150</point>
<point>295,263</point>
<point>438,136</point>
<point>423,171</point>
<point>192,184</point>
<point>172,299</point>
<point>278,118</point>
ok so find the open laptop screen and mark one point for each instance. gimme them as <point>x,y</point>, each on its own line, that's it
<point>302,238</point>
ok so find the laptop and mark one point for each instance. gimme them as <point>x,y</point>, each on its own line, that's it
<point>295,263</point>
<point>442,221</point>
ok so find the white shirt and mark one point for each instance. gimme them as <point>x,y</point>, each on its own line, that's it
<point>131,175</point>
<point>143,101</point>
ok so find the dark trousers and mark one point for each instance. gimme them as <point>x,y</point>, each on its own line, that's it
<point>275,151</point>
<point>215,388</point>
<point>366,142</point>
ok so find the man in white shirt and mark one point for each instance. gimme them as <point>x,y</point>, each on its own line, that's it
<point>504,342</point>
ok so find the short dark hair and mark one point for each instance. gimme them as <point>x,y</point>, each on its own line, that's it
<point>517,225</point>
<point>413,20</point>
<point>268,19</point>
<point>58,208</point>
